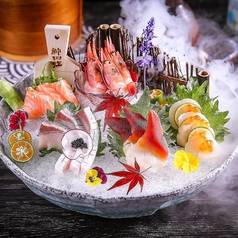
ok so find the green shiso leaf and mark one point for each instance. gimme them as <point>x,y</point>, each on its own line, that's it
<point>210,106</point>
<point>11,95</point>
<point>45,152</point>
<point>101,145</point>
<point>143,105</point>
<point>57,107</point>
<point>115,144</point>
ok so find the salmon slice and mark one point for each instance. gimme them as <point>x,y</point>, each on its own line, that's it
<point>61,87</point>
<point>38,100</point>
<point>36,104</point>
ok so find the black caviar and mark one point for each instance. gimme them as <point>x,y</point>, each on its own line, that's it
<point>79,143</point>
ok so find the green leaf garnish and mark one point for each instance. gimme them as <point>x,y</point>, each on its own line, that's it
<point>143,105</point>
<point>45,152</point>
<point>115,144</point>
<point>101,145</point>
<point>45,78</point>
<point>210,106</point>
<point>57,107</point>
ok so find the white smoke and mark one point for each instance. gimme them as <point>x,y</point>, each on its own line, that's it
<point>173,37</point>
<point>170,31</point>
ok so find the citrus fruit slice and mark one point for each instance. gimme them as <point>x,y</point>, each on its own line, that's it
<point>22,151</point>
<point>18,135</point>
<point>187,107</point>
<point>156,95</point>
<point>201,131</point>
<point>188,125</point>
<point>182,106</point>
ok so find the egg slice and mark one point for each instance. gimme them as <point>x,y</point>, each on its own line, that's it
<point>180,107</point>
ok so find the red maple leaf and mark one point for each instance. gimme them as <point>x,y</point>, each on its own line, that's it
<point>138,124</point>
<point>130,128</point>
<point>111,104</point>
<point>119,125</point>
<point>132,176</point>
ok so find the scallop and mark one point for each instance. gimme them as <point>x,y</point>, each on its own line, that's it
<point>184,116</point>
<point>180,107</point>
<point>188,125</point>
<point>203,146</point>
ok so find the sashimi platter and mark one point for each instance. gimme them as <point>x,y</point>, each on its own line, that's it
<point>110,135</point>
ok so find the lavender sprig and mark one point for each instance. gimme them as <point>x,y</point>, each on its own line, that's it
<point>145,48</point>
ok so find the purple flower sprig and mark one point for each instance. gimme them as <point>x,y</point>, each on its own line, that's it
<point>145,48</point>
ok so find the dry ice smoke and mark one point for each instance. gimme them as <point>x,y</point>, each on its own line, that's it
<point>174,37</point>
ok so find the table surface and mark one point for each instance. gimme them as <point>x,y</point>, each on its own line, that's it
<point>213,212</point>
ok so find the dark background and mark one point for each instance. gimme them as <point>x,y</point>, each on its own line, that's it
<point>214,9</point>
<point>24,214</point>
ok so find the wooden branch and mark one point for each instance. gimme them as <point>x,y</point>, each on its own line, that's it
<point>103,33</point>
<point>115,30</point>
<point>173,79</point>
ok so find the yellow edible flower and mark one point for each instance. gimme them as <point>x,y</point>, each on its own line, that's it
<point>92,178</point>
<point>186,161</point>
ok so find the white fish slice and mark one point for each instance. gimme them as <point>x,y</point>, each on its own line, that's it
<point>50,135</point>
<point>57,38</point>
<point>62,164</point>
<point>66,118</point>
